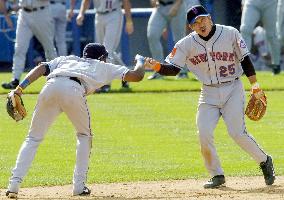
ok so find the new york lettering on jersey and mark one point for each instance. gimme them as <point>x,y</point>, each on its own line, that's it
<point>214,61</point>
<point>103,6</point>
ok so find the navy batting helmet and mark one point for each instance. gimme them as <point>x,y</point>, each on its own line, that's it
<point>95,51</point>
<point>194,12</point>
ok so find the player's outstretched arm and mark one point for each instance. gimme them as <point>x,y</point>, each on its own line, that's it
<point>32,76</point>
<point>137,74</point>
<point>165,69</point>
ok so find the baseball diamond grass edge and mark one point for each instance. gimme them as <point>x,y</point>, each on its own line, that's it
<point>267,81</point>
<point>138,136</point>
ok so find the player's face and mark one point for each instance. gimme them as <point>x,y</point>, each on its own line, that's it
<point>202,25</point>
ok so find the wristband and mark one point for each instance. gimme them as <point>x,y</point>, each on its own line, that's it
<point>24,83</point>
<point>20,88</point>
<point>255,87</point>
<point>157,67</point>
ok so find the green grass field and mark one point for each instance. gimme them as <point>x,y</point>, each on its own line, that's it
<point>147,133</point>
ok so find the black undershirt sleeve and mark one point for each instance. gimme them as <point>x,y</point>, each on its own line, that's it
<point>168,70</point>
<point>47,70</point>
<point>248,66</point>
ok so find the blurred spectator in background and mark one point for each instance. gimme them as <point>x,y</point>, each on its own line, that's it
<point>264,11</point>
<point>60,17</point>
<point>166,12</point>
<point>34,18</point>
<point>108,27</point>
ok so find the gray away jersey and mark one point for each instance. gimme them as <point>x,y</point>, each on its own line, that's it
<point>92,73</point>
<point>107,5</point>
<point>214,61</point>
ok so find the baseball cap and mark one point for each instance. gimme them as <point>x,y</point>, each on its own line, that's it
<point>95,51</point>
<point>194,12</point>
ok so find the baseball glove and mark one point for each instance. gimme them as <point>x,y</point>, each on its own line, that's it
<point>15,106</point>
<point>257,104</point>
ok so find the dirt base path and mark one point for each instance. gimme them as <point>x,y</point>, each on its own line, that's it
<point>243,188</point>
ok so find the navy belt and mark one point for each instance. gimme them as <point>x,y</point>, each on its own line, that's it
<point>33,9</point>
<point>75,79</point>
<point>220,84</point>
<point>54,2</point>
<point>166,3</point>
<point>106,12</point>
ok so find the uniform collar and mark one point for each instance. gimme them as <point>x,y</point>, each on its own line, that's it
<point>211,33</point>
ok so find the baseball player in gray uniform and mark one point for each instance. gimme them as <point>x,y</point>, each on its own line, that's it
<point>69,80</point>
<point>253,11</point>
<point>60,17</point>
<point>108,25</point>
<point>34,19</point>
<point>166,12</point>
<point>218,56</point>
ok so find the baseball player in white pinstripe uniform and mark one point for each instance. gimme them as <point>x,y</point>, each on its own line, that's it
<point>34,19</point>
<point>69,80</point>
<point>218,56</point>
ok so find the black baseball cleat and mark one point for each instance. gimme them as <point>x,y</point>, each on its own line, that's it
<point>103,89</point>
<point>276,69</point>
<point>268,171</point>
<point>125,84</point>
<point>86,192</point>
<point>11,85</point>
<point>11,195</point>
<point>182,75</point>
<point>215,182</point>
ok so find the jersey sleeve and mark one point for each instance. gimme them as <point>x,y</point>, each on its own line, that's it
<point>115,72</point>
<point>177,57</point>
<point>240,46</point>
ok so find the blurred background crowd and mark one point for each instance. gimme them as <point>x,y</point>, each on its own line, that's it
<point>150,29</point>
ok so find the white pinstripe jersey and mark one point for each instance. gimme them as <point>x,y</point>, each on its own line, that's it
<point>107,5</point>
<point>92,73</point>
<point>214,61</point>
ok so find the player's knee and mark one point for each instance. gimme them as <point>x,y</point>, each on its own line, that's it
<point>246,30</point>
<point>271,37</point>
<point>205,136</point>
<point>152,36</point>
<point>33,140</point>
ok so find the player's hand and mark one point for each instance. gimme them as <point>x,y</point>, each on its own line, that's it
<point>80,19</point>
<point>139,58</point>
<point>152,64</point>
<point>256,91</point>
<point>17,91</point>
<point>9,22</point>
<point>153,3</point>
<point>70,15</point>
<point>129,28</point>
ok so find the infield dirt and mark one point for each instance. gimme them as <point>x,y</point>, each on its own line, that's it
<point>243,188</point>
